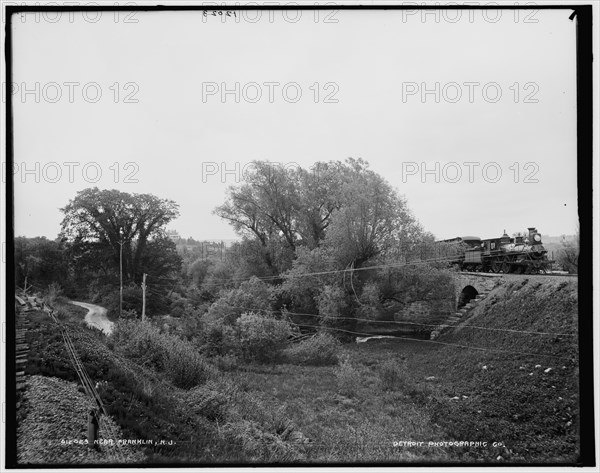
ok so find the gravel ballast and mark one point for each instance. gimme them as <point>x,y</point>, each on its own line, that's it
<point>53,427</point>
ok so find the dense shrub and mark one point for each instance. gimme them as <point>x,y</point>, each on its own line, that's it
<point>332,305</point>
<point>261,338</point>
<point>198,270</point>
<point>207,401</point>
<point>370,301</point>
<point>132,300</point>
<point>143,343</point>
<point>301,291</point>
<point>319,350</point>
<point>217,338</point>
<point>258,444</point>
<point>184,366</point>
<point>252,295</point>
<point>347,377</point>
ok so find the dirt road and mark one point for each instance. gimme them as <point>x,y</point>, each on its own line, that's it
<point>96,317</point>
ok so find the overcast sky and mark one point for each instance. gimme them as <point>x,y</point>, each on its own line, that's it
<point>361,75</point>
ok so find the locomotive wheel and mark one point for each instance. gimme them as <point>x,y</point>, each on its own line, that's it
<point>496,266</point>
<point>506,267</point>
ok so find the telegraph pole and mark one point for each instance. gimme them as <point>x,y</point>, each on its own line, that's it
<point>121,273</point>
<point>144,297</point>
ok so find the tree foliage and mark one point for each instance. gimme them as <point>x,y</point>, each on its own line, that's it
<point>370,219</point>
<point>568,255</point>
<point>345,207</point>
<point>251,295</point>
<point>96,223</point>
<point>333,219</point>
<point>41,261</point>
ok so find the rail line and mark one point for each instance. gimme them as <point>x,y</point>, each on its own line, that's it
<point>22,347</point>
<point>34,303</point>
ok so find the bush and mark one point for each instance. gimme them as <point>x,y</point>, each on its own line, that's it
<point>261,338</point>
<point>347,376</point>
<point>217,339</point>
<point>259,430</point>
<point>333,304</point>
<point>251,295</point>
<point>391,376</point>
<point>140,341</point>
<point>370,301</point>
<point>302,291</point>
<point>184,366</point>
<point>143,343</point>
<point>319,350</point>
<point>207,401</point>
<point>258,445</point>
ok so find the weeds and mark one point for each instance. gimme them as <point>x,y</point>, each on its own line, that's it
<point>391,376</point>
<point>143,343</point>
<point>347,377</point>
<point>320,350</point>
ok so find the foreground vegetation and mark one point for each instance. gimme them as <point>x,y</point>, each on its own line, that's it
<point>318,400</point>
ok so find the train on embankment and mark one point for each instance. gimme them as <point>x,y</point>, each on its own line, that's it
<point>522,254</point>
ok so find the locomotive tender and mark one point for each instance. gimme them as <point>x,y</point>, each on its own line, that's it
<point>521,254</point>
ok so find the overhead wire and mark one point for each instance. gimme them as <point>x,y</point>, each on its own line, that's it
<point>399,322</point>
<point>436,342</point>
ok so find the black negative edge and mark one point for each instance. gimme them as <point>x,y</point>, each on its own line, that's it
<point>583,15</point>
<point>11,371</point>
<point>585,157</point>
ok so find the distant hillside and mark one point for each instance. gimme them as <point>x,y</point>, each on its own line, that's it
<point>556,239</point>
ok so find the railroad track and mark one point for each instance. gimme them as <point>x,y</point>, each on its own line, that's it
<point>23,305</point>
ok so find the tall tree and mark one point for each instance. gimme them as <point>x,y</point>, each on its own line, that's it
<point>99,221</point>
<point>371,219</point>
<point>320,194</point>
<point>346,205</point>
<point>265,207</point>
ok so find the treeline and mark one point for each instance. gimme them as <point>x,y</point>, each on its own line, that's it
<point>319,247</point>
<point>105,235</point>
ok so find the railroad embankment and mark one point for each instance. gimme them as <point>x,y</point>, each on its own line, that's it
<point>517,382</point>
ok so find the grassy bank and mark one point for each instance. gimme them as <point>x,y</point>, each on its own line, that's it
<point>507,386</point>
<point>523,397</point>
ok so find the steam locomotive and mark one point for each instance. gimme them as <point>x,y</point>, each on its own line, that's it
<point>521,254</point>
